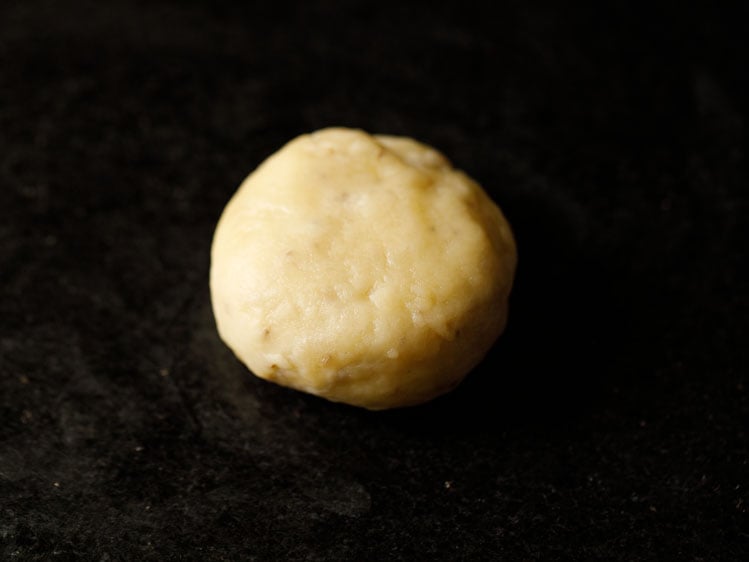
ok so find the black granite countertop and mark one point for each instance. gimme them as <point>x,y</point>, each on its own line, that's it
<point>610,422</point>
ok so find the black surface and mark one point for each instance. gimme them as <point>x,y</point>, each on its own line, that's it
<point>610,421</point>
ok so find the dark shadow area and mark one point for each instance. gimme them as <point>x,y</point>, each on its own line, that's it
<point>579,329</point>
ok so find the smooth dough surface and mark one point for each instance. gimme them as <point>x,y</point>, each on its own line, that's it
<point>363,269</point>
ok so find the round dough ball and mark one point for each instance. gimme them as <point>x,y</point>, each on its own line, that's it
<point>363,269</point>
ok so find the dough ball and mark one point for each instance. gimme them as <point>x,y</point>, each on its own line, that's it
<point>363,269</point>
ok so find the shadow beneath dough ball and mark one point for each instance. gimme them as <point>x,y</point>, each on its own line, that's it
<point>569,335</point>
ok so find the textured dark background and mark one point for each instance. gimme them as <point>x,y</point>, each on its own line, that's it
<point>609,422</point>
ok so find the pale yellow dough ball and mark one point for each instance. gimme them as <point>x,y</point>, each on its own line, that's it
<point>362,269</point>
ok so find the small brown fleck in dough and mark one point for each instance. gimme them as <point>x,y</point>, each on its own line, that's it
<point>363,269</point>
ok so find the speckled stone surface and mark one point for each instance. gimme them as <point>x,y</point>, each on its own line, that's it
<point>610,421</point>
